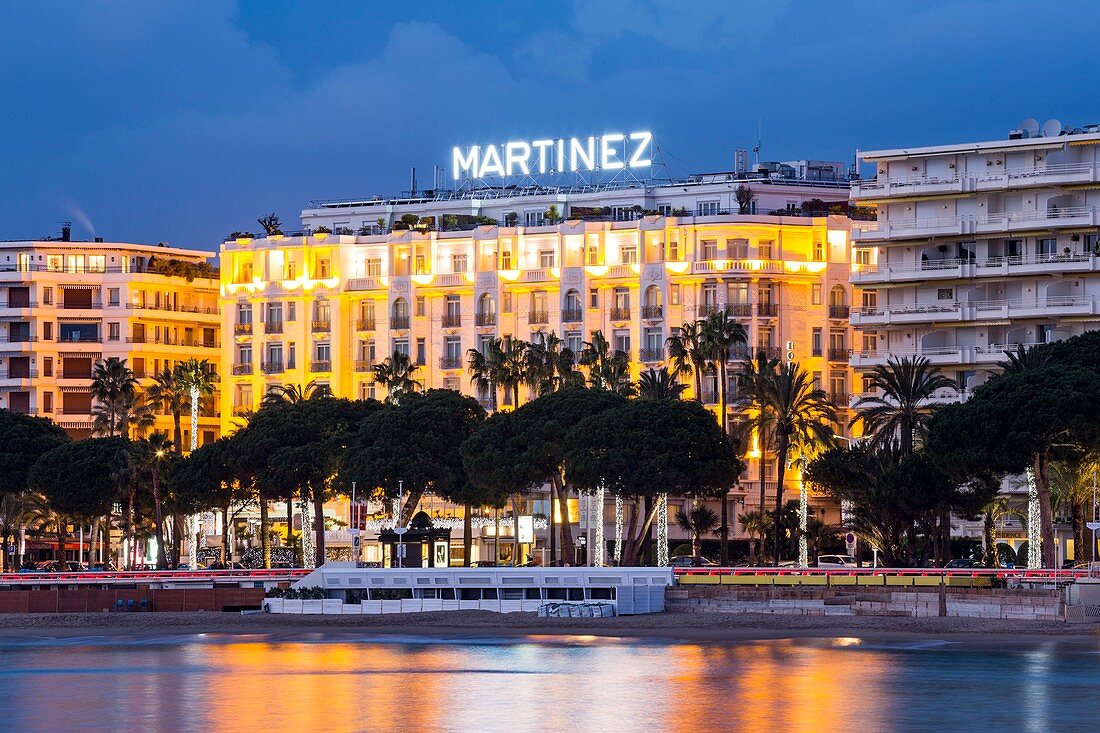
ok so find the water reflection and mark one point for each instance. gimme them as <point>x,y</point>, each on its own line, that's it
<point>216,684</point>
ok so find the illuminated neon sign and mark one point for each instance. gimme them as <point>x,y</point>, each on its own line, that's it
<point>611,152</point>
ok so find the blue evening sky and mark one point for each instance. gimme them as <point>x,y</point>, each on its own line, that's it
<point>182,121</point>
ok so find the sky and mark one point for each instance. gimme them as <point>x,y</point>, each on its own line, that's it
<point>180,122</point>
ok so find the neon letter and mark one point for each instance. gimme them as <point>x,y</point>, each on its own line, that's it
<point>541,146</point>
<point>490,162</point>
<point>609,155</point>
<point>636,160</point>
<point>517,154</point>
<point>468,163</point>
<point>586,156</point>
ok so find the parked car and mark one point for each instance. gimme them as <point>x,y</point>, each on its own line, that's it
<point>961,562</point>
<point>836,561</point>
<point>688,561</point>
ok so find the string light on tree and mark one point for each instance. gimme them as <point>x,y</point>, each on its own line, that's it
<point>662,530</point>
<point>618,529</point>
<point>597,514</point>
<point>1034,535</point>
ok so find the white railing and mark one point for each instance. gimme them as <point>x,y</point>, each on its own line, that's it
<point>1068,212</point>
<point>745,265</point>
<point>881,183</point>
<point>364,283</point>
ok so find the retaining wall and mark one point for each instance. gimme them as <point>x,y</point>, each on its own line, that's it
<point>94,600</point>
<point>914,602</point>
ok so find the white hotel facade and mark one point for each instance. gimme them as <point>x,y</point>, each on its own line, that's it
<point>980,247</point>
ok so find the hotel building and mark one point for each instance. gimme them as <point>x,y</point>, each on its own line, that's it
<point>66,305</point>
<point>326,307</point>
<point>978,247</point>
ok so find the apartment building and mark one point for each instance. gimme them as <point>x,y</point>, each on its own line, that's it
<point>65,305</point>
<point>978,248</point>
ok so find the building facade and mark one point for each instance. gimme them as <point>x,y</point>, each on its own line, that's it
<point>66,305</point>
<point>325,308</point>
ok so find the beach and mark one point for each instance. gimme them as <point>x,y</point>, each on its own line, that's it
<point>712,627</point>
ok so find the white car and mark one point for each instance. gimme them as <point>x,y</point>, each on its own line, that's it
<point>836,561</point>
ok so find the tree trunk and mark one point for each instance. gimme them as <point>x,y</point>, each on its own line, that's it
<point>989,533</point>
<point>724,531</point>
<point>290,529</point>
<point>227,556</point>
<point>319,525</point>
<point>763,497</point>
<point>945,536</point>
<point>467,536</point>
<point>177,538</point>
<point>265,541</point>
<point>410,505</point>
<point>162,560</point>
<point>567,546</point>
<point>634,543</point>
<point>551,534</point>
<point>177,430</point>
<point>1046,513</point>
<point>780,471</point>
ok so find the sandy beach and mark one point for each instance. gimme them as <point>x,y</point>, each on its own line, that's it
<point>467,624</point>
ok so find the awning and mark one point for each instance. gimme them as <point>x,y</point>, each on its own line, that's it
<point>968,324</point>
<point>87,389</point>
<point>79,287</point>
<point>1080,143</point>
<point>1081,186</point>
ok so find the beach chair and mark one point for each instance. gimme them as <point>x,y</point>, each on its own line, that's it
<point>118,604</point>
<point>129,604</point>
<point>144,604</point>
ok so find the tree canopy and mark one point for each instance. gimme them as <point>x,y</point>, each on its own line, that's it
<point>23,440</point>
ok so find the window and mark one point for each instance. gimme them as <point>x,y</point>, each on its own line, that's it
<point>574,342</point>
<point>290,356</point>
<point>538,301</point>
<point>622,341</point>
<point>547,258</point>
<point>819,250</point>
<point>366,351</point>
<point>764,249</point>
<point>1046,247</point>
<point>674,250</point>
<point>47,295</point>
<point>1046,333</point>
<point>47,330</point>
<point>870,298</point>
<point>420,264</point>
<point>838,384</point>
<point>112,331</point>
<point>816,342</point>
<point>945,293</point>
<point>707,208</point>
<point>593,252</point>
<point>421,305</point>
<point>870,342</point>
<point>506,303</point>
<point>55,263</point>
<point>622,298</point>
<point>573,304</point>
<point>837,343</point>
<point>47,402</point>
<point>815,294</point>
<point>453,304</point>
<point>292,311</point>
<point>323,268</point>
<point>863,257</point>
<point>506,258</point>
<point>366,311</point>
<point>372,267</point>
<point>837,296</point>
<point>421,351</point>
<point>458,262</point>
<point>112,296</point>
<point>322,352</point>
<point>737,293</point>
<point>674,294</point>
<point>401,346</point>
<point>274,315</point>
<point>75,263</point>
<point>737,249</point>
<point>97,263</point>
<point>710,249</point>
<point>243,396</point>
<point>47,366</point>
<point>593,297</point>
<point>710,296</point>
<point>452,351</point>
<point>244,355</point>
<point>628,254</point>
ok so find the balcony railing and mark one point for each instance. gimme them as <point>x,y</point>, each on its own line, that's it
<point>651,355</point>
<point>239,369</point>
<point>400,323</point>
<point>19,304</point>
<point>320,326</point>
<point>362,365</point>
<point>18,373</point>
<point>839,399</point>
<point>767,310</point>
<point>242,329</point>
<point>365,324</point>
<point>839,354</point>
<point>538,317</point>
<point>739,310</point>
<point>272,367</point>
<point>620,314</point>
<point>450,362</point>
<point>710,397</point>
<point>320,365</point>
<point>452,320</point>
<point>572,315</point>
<point>208,310</point>
<point>485,319</point>
<point>95,304</point>
<point>838,311</point>
<point>652,312</point>
<point>79,339</point>
<point>273,327</point>
<point>17,338</point>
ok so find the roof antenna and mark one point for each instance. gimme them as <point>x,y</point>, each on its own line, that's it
<point>759,136</point>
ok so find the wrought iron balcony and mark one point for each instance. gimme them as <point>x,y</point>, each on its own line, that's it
<point>485,319</point>
<point>452,320</point>
<point>653,312</point>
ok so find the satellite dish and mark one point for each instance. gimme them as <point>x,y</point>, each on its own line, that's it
<point>1052,128</point>
<point>1030,126</point>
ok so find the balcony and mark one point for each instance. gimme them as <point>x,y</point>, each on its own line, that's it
<point>737,265</point>
<point>362,365</point>
<point>620,314</point>
<point>1042,307</point>
<point>273,327</point>
<point>18,338</point>
<point>240,369</point>
<point>452,320</point>
<point>838,311</point>
<point>572,315</point>
<point>485,319</point>
<point>450,362</point>
<point>986,180</point>
<point>74,374</point>
<point>938,355</point>
<point>767,310</point>
<point>539,275</point>
<point>649,356</point>
<point>399,323</point>
<point>653,312</point>
<point>987,224</point>
<point>19,304</point>
<point>18,373</point>
<point>272,367</point>
<point>73,338</point>
<point>739,310</point>
<point>364,283</point>
<point>94,305</point>
<point>956,268</point>
<point>320,326</point>
<point>320,366</point>
<point>839,354</point>
<point>538,317</point>
<point>242,329</point>
<point>840,399</point>
<point>365,324</point>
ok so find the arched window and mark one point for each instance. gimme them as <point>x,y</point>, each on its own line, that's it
<point>486,310</point>
<point>573,301</point>
<point>400,308</point>
<point>838,296</point>
<point>653,295</point>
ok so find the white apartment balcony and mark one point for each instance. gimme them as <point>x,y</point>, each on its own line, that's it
<point>988,180</point>
<point>938,355</point>
<point>738,265</point>
<point>983,310</point>
<point>996,353</point>
<point>903,314</point>
<point>364,283</point>
<point>953,268</point>
<point>987,224</point>
<point>945,396</point>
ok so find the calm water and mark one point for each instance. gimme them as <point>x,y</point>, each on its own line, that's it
<point>304,683</point>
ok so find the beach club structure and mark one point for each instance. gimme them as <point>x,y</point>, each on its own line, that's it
<point>436,273</point>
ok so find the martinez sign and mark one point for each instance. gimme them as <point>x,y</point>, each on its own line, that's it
<point>610,152</point>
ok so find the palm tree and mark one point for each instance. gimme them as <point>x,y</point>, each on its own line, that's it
<point>292,393</point>
<point>501,366</point>
<point>659,384</point>
<point>1025,359</point>
<point>697,522</point>
<point>904,408</point>
<point>802,416</point>
<point>756,525</point>
<point>754,382</point>
<point>199,378</point>
<point>169,394</point>
<point>550,365</point>
<point>395,373</point>
<point>687,354</point>
<point>998,509</point>
<point>15,515</point>
<point>114,388</point>
<point>607,369</point>
<point>159,446</point>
